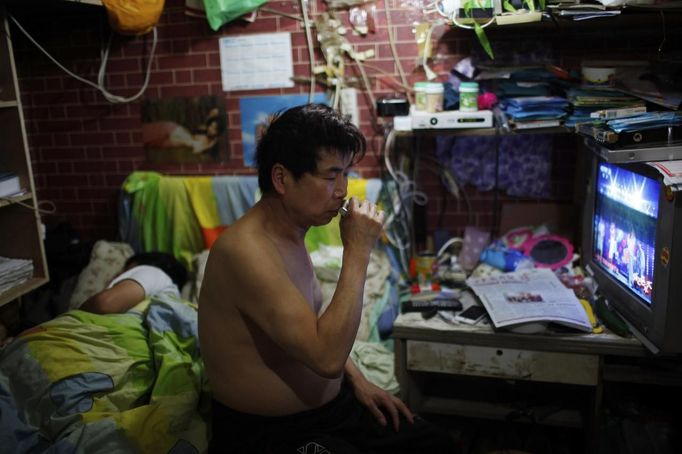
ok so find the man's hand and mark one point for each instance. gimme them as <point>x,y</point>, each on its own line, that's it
<point>376,399</point>
<point>362,225</point>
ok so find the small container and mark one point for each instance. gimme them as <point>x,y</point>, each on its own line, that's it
<point>434,97</point>
<point>599,77</point>
<point>420,96</point>
<point>424,267</point>
<point>468,96</point>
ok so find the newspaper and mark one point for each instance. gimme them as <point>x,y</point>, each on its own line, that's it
<point>535,295</point>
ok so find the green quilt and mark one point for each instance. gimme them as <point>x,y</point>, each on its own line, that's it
<point>84,382</point>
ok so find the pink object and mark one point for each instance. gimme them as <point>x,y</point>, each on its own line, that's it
<point>549,251</point>
<point>517,238</point>
<point>486,100</point>
<point>475,241</point>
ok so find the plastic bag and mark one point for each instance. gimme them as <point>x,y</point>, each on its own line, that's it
<point>220,12</point>
<point>133,17</point>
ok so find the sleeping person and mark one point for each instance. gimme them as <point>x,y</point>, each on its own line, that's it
<point>144,275</point>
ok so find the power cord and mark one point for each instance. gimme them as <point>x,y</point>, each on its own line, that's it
<point>114,99</point>
<point>51,210</point>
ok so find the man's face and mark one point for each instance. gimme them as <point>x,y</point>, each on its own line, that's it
<point>323,191</point>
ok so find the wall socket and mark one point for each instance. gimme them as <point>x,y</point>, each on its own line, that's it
<point>349,104</point>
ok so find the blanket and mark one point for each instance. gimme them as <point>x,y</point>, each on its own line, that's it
<point>184,215</point>
<point>84,382</point>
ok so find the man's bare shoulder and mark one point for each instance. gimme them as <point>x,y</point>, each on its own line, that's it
<point>245,238</point>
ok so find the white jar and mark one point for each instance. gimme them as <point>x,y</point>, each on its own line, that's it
<point>420,96</point>
<point>434,97</point>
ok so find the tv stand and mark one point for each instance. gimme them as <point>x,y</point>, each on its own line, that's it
<point>432,353</point>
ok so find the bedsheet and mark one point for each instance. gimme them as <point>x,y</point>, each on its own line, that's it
<point>85,382</point>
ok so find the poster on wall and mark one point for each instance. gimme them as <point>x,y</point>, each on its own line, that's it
<point>185,130</point>
<point>256,61</point>
<point>255,113</point>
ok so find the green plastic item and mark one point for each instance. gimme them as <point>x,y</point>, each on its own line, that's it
<point>220,12</point>
<point>610,318</point>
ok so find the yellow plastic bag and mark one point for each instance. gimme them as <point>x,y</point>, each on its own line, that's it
<point>133,17</point>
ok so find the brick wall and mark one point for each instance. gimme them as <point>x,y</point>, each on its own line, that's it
<point>83,147</point>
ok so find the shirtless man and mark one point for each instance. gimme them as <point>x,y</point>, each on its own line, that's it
<point>279,372</point>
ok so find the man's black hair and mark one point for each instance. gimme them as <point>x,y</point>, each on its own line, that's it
<point>295,137</point>
<point>164,261</point>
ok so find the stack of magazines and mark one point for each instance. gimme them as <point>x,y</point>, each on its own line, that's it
<point>535,111</point>
<point>14,272</point>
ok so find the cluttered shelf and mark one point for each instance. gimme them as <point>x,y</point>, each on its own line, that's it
<point>414,327</point>
<point>16,291</point>
<point>571,14</point>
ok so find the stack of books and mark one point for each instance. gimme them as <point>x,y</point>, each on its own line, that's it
<point>14,272</point>
<point>9,184</point>
<point>587,101</point>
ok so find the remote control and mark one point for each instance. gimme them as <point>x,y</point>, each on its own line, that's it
<point>438,304</point>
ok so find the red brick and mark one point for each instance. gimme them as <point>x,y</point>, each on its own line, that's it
<point>184,61</point>
<point>206,75</point>
<point>182,76</point>
<point>91,138</point>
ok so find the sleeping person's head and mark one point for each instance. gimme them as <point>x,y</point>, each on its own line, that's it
<point>162,260</point>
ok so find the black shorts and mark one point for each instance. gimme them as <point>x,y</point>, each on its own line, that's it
<point>341,426</point>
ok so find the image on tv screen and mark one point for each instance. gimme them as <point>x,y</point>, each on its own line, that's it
<point>624,230</point>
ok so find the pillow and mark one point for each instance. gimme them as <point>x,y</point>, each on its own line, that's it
<point>106,261</point>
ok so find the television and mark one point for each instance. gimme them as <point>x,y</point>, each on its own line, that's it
<point>632,246</point>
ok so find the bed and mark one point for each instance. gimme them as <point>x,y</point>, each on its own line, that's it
<point>135,382</point>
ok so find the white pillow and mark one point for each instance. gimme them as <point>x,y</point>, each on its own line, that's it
<point>106,261</point>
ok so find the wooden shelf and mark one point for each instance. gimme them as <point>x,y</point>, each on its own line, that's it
<point>21,231</point>
<point>484,131</point>
<point>5,201</point>
<point>15,292</point>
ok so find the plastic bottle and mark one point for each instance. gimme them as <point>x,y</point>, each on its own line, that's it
<point>420,95</point>
<point>505,259</point>
<point>468,96</point>
<point>434,97</point>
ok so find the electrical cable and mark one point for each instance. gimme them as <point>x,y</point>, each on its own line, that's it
<point>309,45</point>
<point>280,13</point>
<point>51,210</point>
<point>365,80</point>
<point>399,228</point>
<point>114,99</point>
<point>430,75</point>
<point>391,43</point>
<point>453,17</point>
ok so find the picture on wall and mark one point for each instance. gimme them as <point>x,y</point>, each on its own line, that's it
<point>255,113</point>
<point>185,130</point>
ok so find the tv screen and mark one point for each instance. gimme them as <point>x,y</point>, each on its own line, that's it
<point>624,231</point>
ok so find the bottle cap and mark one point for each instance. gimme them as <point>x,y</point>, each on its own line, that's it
<point>434,88</point>
<point>468,86</point>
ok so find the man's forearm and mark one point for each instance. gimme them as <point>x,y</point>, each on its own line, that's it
<point>353,374</point>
